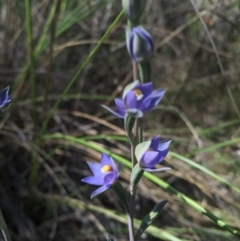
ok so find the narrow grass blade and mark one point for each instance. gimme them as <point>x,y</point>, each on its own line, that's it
<point>205,170</point>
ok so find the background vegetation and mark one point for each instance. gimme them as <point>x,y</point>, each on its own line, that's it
<point>60,71</point>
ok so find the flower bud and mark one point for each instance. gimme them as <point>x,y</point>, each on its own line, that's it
<point>139,44</point>
<point>5,100</point>
<point>133,8</point>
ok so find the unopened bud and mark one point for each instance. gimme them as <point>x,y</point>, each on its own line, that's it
<point>139,44</point>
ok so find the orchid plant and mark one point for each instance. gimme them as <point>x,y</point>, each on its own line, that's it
<point>138,98</point>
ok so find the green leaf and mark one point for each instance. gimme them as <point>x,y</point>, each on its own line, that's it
<point>148,219</point>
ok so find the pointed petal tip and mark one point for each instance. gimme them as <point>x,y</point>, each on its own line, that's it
<point>113,112</point>
<point>99,191</point>
<point>163,145</point>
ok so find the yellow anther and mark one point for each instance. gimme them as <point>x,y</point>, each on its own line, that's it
<point>138,93</point>
<point>106,168</point>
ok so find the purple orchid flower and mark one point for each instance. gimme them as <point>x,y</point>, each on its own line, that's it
<point>139,44</point>
<point>105,174</point>
<point>137,98</point>
<point>5,99</point>
<point>150,153</point>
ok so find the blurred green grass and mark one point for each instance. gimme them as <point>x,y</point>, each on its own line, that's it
<point>68,48</point>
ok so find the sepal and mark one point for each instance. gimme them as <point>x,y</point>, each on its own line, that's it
<point>112,111</point>
<point>141,149</point>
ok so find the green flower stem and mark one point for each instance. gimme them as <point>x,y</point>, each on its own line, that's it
<point>131,228</point>
<point>140,132</point>
<point>131,24</point>
<point>135,70</point>
<point>133,188</point>
<point>132,191</point>
<point>144,71</point>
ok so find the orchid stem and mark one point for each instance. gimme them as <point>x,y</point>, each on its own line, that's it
<point>144,71</point>
<point>130,228</point>
<point>135,70</point>
<point>133,187</point>
<point>132,195</point>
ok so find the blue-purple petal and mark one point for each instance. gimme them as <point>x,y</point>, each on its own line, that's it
<point>4,97</point>
<point>157,95</point>
<point>110,178</point>
<point>114,166</point>
<point>106,160</point>
<point>146,89</point>
<point>162,155</point>
<point>98,181</point>
<point>144,103</point>
<point>155,143</point>
<point>149,159</point>
<point>113,112</point>
<point>99,191</point>
<point>163,145</point>
<point>120,106</point>
<point>131,100</point>
<point>95,168</point>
